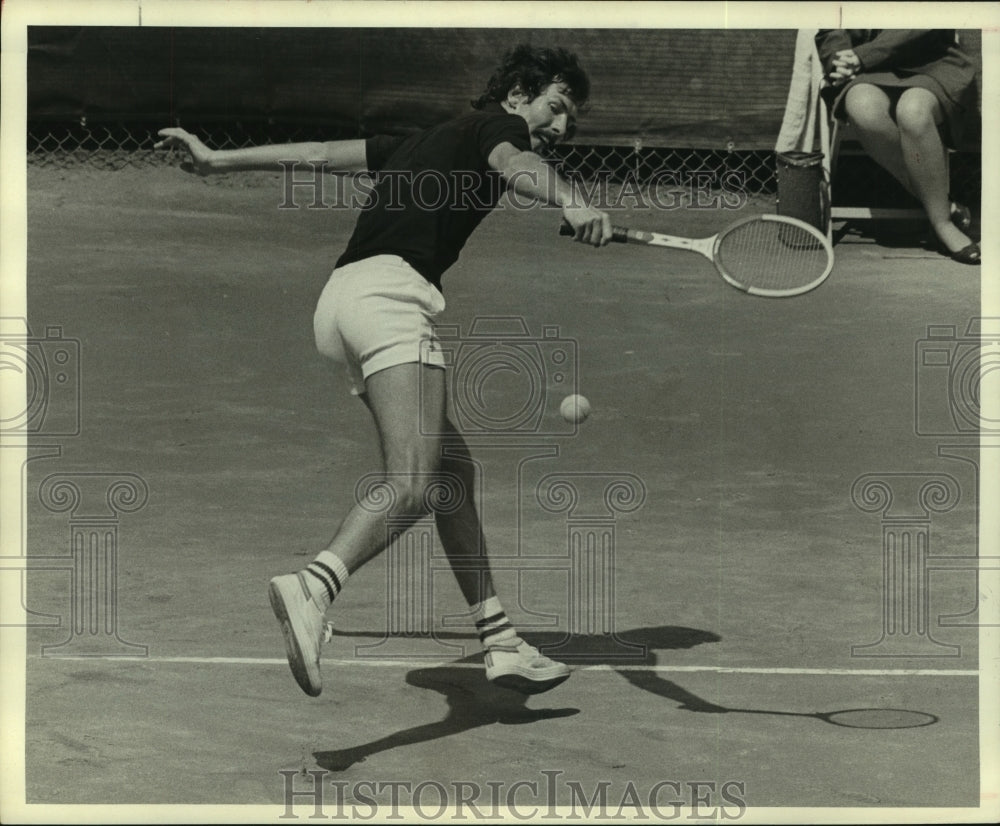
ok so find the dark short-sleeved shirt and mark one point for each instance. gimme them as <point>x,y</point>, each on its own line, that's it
<point>432,189</point>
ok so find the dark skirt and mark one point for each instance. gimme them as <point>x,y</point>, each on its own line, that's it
<point>953,126</point>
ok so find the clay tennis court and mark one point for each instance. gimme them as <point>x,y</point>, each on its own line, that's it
<point>746,578</point>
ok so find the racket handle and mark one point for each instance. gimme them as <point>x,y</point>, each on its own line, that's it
<point>619,234</point>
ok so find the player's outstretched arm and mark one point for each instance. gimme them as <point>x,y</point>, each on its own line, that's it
<point>528,174</point>
<point>338,156</point>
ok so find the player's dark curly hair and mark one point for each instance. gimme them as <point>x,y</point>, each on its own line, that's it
<point>533,68</point>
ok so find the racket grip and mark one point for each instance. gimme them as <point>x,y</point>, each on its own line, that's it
<point>619,234</point>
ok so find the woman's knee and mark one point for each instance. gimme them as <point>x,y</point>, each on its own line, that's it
<point>867,107</point>
<point>917,111</point>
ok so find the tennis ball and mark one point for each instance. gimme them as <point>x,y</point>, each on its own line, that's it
<point>575,408</point>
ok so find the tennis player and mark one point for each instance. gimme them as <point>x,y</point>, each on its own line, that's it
<point>376,316</point>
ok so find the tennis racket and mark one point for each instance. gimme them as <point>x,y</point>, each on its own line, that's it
<point>767,255</point>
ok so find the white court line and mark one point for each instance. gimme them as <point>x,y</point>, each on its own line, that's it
<point>429,663</point>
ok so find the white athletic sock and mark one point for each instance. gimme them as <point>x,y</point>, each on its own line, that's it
<point>329,576</point>
<point>492,624</point>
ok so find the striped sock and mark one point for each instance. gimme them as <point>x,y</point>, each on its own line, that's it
<point>328,577</point>
<point>492,624</point>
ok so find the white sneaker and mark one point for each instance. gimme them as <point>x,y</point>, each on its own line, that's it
<point>303,627</point>
<point>521,667</point>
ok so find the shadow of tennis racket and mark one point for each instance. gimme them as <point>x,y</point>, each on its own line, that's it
<point>863,718</point>
<point>870,718</point>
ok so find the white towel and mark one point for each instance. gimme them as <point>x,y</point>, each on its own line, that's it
<point>802,110</point>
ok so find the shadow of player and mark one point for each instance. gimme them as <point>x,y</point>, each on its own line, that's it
<point>473,702</point>
<point>668,690</point>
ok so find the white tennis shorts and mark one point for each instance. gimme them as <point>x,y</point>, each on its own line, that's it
<point>375,314</point>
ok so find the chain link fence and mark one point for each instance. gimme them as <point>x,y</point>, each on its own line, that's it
<point>119,145</point>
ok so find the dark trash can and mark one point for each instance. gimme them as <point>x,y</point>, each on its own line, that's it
<point>803,191</point>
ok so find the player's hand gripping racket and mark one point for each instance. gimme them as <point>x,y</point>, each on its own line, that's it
<point>768,255</point>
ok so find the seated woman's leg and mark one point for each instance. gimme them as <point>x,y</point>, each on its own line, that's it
<point>869,111</point>
<point>918,116</point>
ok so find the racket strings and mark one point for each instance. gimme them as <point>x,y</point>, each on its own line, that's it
<point>772,256</point>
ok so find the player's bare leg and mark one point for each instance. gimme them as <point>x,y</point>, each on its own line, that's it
<point>395,397</point>
<point>408,404</point>
<point>425,448</point>
<point>510,661</point>
<point>460,529</point>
